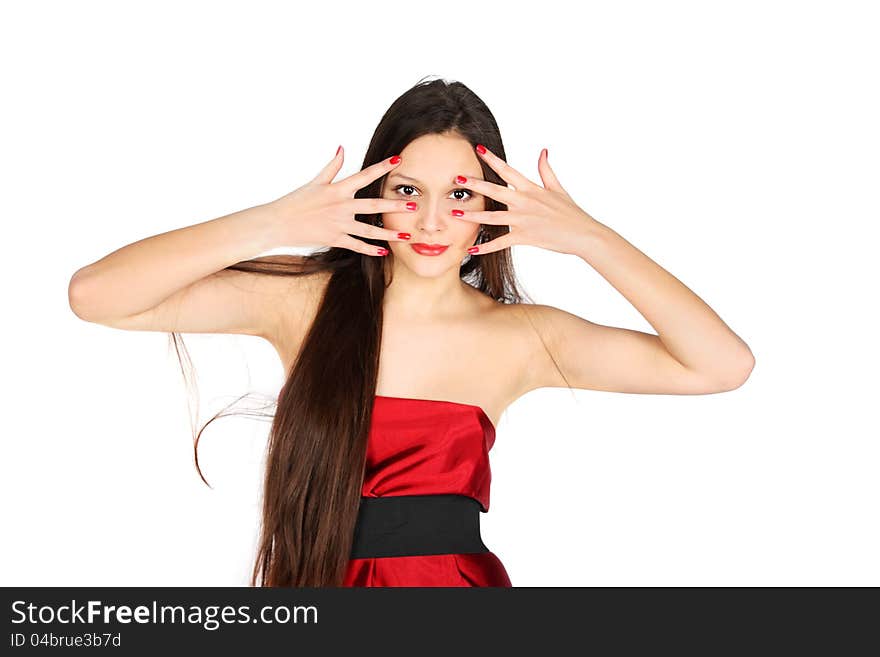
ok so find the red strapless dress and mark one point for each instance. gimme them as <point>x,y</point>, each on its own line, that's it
<point>425,447</point>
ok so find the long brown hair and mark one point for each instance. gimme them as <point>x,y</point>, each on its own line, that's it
<point>318,439</point>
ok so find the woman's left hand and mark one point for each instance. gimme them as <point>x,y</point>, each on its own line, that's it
<point>546,216</point>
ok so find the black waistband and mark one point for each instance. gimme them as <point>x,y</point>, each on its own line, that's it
<point>409,525</point>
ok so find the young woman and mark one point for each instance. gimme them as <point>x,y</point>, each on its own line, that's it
<point>406,340</point>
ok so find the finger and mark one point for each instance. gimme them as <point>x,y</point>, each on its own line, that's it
<point>378,205</point>
<point>329,172</point>
<point>492,217</point>
<point>503,169</point>
<point>356,245</point>
<point>485,188</point>
<point>364,177</point>
<point>498,244</point>
<point>372,232</point>
<point>547,176</point>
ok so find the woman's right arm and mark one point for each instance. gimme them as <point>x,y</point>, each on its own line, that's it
<point>177,281</point>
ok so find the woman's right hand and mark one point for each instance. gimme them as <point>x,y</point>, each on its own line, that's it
<point>321,212</point>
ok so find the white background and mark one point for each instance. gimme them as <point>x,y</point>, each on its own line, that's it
<point>734,143</point>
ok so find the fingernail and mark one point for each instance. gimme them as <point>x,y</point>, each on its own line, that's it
<point>411,205</point>
<point>457,213</point>
<point>461,180</point>
<point>339,149</point>
<point>395,159</point>
<point>382,250</point>
<point>404,236</point>
<point>481,149</point>
<point>473,249</point>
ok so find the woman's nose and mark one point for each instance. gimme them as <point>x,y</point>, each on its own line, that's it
<point>432,216</point>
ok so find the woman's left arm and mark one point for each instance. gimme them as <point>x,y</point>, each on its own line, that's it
<point>694,351</point>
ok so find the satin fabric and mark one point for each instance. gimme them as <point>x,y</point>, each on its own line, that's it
<point>476,569</point>
<point>427,447</point>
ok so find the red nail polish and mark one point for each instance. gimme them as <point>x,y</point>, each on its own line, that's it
<point>481,149</point>
<point>404,236</point>
<point>461,180</point>
<point>383,250</point>
<point>412,205</point>
<point>473,249</point>
<point>458,213</point>
<point>395,159</point>
<point>338,149</point>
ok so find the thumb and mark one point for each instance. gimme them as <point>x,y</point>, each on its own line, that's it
<point>546,172</point>
<point>328,173</point>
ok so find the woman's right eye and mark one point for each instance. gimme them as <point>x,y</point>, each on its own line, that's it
<point>399,187</point>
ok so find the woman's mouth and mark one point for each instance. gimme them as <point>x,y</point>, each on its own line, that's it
<point>429,249</point>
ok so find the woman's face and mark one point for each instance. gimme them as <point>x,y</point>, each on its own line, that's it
<point>426,174</point>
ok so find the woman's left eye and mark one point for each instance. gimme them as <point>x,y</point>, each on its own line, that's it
<point>466,191</point>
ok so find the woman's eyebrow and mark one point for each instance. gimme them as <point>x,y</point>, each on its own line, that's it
<point>403,177</point>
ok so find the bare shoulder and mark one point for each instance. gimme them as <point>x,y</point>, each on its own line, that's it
<point>521,330</point>
<point>294,302</point>
<point>563,341</point>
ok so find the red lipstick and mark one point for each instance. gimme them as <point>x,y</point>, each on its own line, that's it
<point>429,249</point>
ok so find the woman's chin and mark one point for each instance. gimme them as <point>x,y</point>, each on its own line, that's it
<point>431,266</point>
